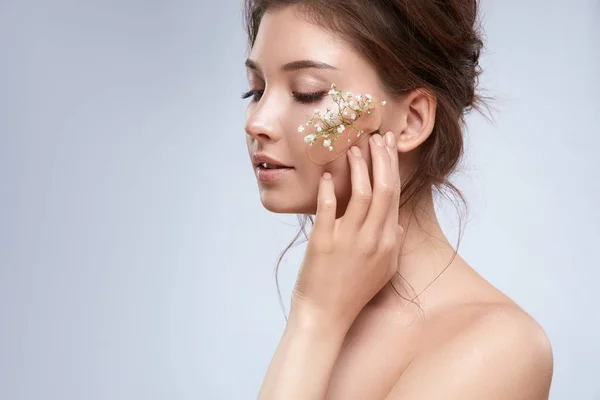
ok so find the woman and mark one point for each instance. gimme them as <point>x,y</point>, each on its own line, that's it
<point>356,328</point>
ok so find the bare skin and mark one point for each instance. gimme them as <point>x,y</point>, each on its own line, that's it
<point>470,342</point>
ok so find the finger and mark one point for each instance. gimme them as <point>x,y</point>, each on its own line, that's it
<point>360,199</point>
<point>326,205</point>
<point>391,223</point>
<point>383,186</point>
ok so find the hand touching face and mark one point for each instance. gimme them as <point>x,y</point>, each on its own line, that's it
<point>290,71</point>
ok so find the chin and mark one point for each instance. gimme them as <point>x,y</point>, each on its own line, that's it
<point>285,204</point>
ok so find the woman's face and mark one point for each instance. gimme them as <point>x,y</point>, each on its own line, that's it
<point>280,104</point>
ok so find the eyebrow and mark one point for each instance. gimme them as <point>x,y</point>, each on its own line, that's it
<point>294,65</point>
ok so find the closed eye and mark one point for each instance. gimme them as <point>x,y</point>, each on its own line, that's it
<point>255,93</point>
<point>304,98</point>
<point>307,98</point>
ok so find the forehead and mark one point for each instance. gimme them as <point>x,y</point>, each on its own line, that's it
<point>285,36</point>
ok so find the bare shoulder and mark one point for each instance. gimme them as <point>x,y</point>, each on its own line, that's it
<point>500,352</point>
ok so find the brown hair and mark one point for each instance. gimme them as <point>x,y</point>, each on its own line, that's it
<point>413,44</point>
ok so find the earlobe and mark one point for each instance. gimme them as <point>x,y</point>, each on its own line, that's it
<point>419,120</point>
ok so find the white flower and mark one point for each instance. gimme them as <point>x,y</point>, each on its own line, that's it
<point>324,121</point>
<point>309,139</point>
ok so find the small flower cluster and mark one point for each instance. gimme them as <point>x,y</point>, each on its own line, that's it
<point>330,125</point>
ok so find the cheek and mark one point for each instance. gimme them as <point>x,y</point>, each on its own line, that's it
<point>326,150</point>
<point>310,175</point>
<point>311,161</point>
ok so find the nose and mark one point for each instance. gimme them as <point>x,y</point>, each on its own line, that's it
<point>262,123</point>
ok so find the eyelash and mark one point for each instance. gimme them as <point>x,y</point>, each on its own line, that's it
<point>304,98</point>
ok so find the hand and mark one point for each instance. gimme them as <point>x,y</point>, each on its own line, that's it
<point>348,260</point>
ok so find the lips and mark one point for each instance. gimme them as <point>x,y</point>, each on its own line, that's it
<point>271,166</point>
<point>271,175</point>
<point>265,161</point>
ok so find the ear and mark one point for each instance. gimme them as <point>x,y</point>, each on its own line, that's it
<point>418,120</point>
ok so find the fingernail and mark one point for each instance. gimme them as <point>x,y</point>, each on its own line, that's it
<point>355,150</point>
<point>389,140</point>
<point>377,139</point>
<point>326,175</point>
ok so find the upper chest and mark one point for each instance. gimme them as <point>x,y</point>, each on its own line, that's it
<point>380,346</point>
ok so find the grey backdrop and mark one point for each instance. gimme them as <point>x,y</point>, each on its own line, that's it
<point>136,261</point>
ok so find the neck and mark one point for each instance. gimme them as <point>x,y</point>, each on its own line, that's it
<point>424,254</point>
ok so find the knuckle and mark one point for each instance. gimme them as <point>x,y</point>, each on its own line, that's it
<point>368,244</point>
<point>387,243</point>
<point>386,189</point>
<point>363,196</point>
<point>327,204</point>
<point>322,244</point>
